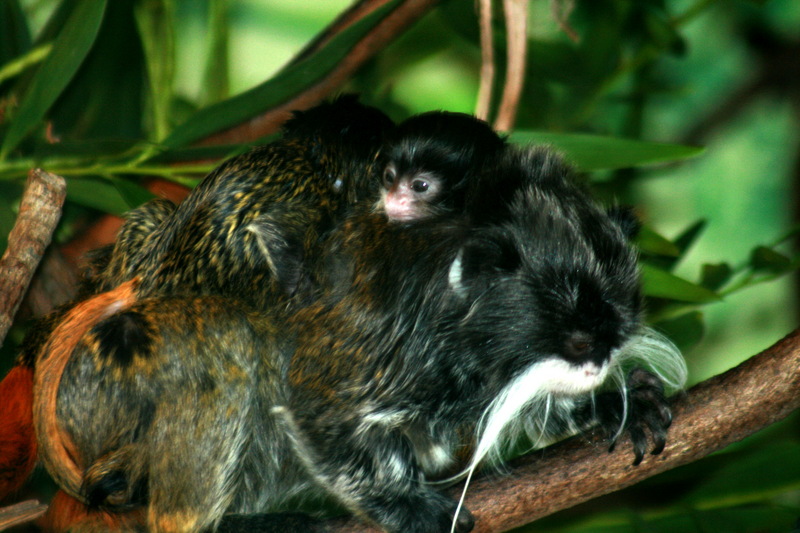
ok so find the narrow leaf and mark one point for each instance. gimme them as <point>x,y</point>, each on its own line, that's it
<point>18,65</point>
<point>661,284</point>
<point>155,21</point>
<point>216,81</point>
<point>685,331</point>
<point>277,90</point>
<point>69,51</point>
<point>100,194</point>
<point>767,259</point>
<point>688,237</point>
<point>651,242</point>
<point>714,276</point>
<point>15,37</point>
<point>596,152</point>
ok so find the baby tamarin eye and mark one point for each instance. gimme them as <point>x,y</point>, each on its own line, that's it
<point>389,175</point>
<point>419,186</point>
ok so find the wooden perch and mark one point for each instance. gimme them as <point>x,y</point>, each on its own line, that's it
<point>21,513</point>
<point>39,212</point>
<point>710,416</point>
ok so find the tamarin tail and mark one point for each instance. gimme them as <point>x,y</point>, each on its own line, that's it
<point>57,451</point>
<point>17,438</point>
<point>68,514</point>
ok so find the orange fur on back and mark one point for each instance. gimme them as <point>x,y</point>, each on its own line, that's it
<point>57,451</point>
<point>17,439</point>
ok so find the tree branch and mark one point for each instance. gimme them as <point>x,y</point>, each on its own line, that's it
<point>384,32</point>
<point>709,417</point>
<point>39,214</point>
<point>21,513</point>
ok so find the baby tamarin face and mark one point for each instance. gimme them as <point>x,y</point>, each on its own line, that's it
<point>413,195</point>
<point>429,161</point>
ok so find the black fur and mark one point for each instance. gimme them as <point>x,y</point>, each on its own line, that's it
<point>451,148</point>
<point>124,336</point>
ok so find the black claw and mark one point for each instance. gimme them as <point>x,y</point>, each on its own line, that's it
<point>649,413</point>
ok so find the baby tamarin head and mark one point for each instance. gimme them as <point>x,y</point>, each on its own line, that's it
<point>428,162</point>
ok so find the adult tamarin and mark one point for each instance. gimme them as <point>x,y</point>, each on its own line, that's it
<point>205,409</point>
<point>247,231</point>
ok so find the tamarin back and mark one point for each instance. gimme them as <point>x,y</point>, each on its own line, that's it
<point>247,232</point>
<point>250,227</point>
<point>434,329</point>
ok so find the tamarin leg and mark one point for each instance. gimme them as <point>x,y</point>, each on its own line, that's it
<point>195,457</point>
<point>373,470</point>
<point>17,438</point>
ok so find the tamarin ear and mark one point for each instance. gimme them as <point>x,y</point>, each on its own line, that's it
<point>626,219</point>
<point>482,256</point>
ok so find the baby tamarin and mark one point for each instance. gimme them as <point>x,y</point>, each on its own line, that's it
<point>429,162</point>
<point>250,227</point>
<point>204,408</point>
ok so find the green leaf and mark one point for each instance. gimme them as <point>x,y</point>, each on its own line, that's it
<point>659,283</point>
<point>155,20</point>
<point>15,37</point>
<point>714,276</point>
<point>689,236</point>
<point>277,90</point>
<point>111,197</point>
<point>682,243</point>
<point>216,79</point>
<point>596,152</point>
<point>685,331</point>
<point>69,51</point>
<point>132,193</point>
<point>651,242</point>
<point>767,259</point>
<point>18,65</point>
<point>750,476</point>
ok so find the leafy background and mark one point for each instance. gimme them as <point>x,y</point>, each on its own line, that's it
<point>686,109</point>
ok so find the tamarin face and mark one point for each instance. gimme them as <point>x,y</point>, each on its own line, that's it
<point>429,161</point>
<point>412,196</point>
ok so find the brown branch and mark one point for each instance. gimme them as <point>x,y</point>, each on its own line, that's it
<point>709,417</point>
<point>382,34</point>
<point>346,18</point>
<point>21,513</point>
<point>39,213</point>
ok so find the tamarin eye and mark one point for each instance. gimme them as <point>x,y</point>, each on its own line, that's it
<point>389,176</point>
<point>419,186</point>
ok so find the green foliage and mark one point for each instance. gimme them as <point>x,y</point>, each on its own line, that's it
<point>93,94</point>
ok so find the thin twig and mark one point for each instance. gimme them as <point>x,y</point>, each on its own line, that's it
<point>21,513</point>
<point>710,416</point>
<point>516,13</point>
<point>487,60</point>
<point>39,213</point>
